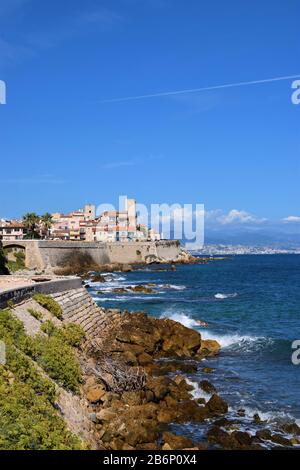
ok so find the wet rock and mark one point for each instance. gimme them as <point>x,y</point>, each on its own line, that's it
<point>257,419</point>
<point>209,347</point>
<point>263,434</point>
<point>223,422</point>
<point>175,441</point>
<point>216,405</point>
<point>142,289</point>
<point>243,438</point>
<point>279,439</point>
<point>218,436</point>
<point>98,278</point>
<point>201,401</point>
<point>241,412</point>
<point>291,428</point>
<point>207,370</point>
<point>120,290</point>
<point>207,387</point>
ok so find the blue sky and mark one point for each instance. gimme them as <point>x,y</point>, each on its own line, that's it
<point>233,149</point>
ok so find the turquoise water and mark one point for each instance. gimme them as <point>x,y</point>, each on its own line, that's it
<point>251,305</point>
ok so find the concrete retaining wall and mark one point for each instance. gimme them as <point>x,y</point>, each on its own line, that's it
<point>48,287</point>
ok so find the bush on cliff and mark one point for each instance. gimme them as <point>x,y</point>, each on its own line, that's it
<point>71,333</point>
<point>50,304</point>
<point>28,417</point>
<point>53,354</point>
<point>59,361</point>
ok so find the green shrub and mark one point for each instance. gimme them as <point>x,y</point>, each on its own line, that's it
<point>49,328</point>
<point>50,304</point>
<point>53,354</point>
<point>71,333</point>
<point>59,361</point>
<point>35,313</point>
<point>28,417</point>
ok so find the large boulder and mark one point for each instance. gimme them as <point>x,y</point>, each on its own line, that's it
<point>176,442</point>
<point>216,405</point>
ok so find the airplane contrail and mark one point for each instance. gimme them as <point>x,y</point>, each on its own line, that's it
<point>195,90</point>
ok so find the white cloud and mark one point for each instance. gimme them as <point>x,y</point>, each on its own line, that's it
<point>234,216</point>
<point>291,219</point>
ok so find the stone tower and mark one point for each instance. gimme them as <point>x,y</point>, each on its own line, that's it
<point>89,211</point>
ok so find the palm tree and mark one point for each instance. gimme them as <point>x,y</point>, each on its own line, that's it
<point>46,221</point>
<point>31,221</point>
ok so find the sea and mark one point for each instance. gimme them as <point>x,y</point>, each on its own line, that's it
<point>251,306</point>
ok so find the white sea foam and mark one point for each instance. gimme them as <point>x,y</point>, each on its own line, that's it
<point>225,296</point>
<point>225,340</point>
<point>180,318</point>
<point>268,416</point>
<point>172,286</point>
<point>197,392</point>
<point>244,342</point>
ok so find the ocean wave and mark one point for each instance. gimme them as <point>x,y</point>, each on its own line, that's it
<point>238,341</point>
<point>172,286</point>
<point>197,392</point>
<point>225,296</point>
<point>123,298</point>
<point>180,318</point>
<point>233,341</point>
<point>271,417</point>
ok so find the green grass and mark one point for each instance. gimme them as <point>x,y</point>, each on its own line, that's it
<point>19,262</point>
<point>50,304</point>
<point>35,313</point>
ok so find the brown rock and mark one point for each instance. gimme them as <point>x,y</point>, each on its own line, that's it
<point>95,394</point>
<point>216,405</point>
<point>105,415</point>
<point>166,416</point>
<point>159,386</point>
<point>207,387</point>
<point>209,347</point>
<point>176,442</point>
<point>243,438</point>
<point>291,428</point>
<point>166,447</point>
<point>144,359</point>
<point>279,439</point>
<point>263,435</point>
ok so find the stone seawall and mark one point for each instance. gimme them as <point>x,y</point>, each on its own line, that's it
<point>79,307</point>
<point>43,254</point>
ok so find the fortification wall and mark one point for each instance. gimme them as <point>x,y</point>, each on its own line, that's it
<point>41,254</point>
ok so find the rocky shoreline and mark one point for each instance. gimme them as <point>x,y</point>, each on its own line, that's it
<point>157,352</point>
<point>134,392</point>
